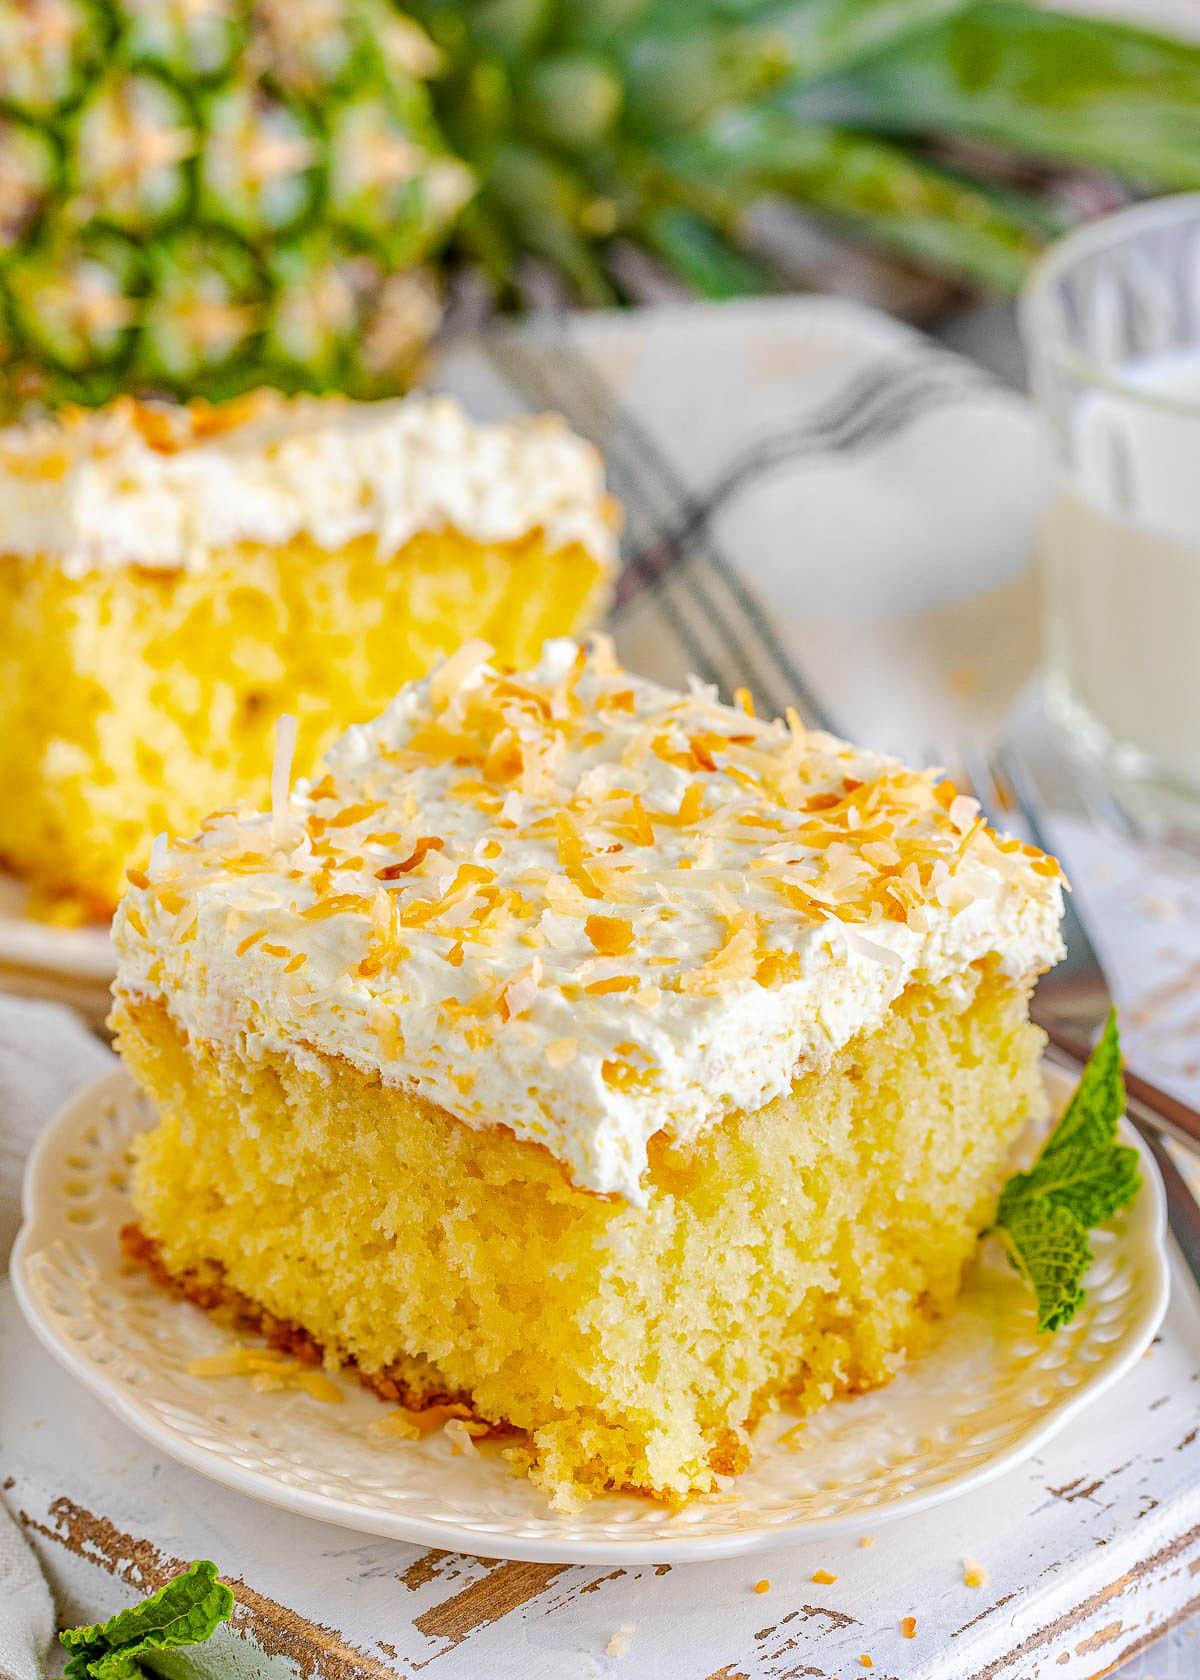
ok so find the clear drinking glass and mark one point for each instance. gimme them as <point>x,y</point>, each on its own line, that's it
<point>1111,324</point>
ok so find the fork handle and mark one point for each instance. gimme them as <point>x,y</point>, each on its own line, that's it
<point>1148,1104</point>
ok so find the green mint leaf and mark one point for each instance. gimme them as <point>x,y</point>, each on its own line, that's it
<point>77,1668</point>
<point>1049,1247</point>
<point>186,1611</point>
<point>1080,1179</point>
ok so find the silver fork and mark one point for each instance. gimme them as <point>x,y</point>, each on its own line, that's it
<point>1072,1001</point>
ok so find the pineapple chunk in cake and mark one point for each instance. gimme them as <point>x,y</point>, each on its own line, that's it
<point>618,1061</point>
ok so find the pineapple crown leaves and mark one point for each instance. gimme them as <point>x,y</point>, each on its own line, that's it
<point>661,121</point>
<point>1080,1179</point>
<point>186,1611</point>
<point>339,146</point>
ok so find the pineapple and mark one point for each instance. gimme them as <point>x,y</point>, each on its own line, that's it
<point>200,196</point>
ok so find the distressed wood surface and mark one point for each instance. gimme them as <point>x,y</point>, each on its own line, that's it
<point>1091,1550</point>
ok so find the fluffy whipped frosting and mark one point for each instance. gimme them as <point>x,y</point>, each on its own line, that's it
<point>580,905</point>
<point>166,486</point>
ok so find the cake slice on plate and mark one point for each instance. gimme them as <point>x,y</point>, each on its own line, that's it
<point>598,1055</point>
<point>174,577</point>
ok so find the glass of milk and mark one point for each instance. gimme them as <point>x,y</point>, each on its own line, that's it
<point>1111,323</point>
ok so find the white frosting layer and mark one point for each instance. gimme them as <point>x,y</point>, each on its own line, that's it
<point>166,487</point>
<point>646,910</point>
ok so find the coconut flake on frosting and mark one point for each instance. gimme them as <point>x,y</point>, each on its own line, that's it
<point>582,905</point>
<point>166,486</point>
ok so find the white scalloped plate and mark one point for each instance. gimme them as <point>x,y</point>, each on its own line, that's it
<point>83,953</point>
<point>984,1397</point>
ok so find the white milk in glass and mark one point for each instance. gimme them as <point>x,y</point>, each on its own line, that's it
<point>1121,570</point>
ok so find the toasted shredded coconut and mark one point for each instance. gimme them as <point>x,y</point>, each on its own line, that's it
<point>700,902</point>
<point>398,1424</point>
<point>454,673</point>
<point>459,1435</point>
<point>268,1371</point>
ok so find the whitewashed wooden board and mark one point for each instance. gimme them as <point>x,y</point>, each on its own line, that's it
<point>1091,1550</point>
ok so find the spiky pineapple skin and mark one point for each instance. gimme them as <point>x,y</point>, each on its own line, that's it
<point>204,196</point>
<point>200,196</point>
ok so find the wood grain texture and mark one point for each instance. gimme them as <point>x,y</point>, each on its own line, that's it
<point>313,1650</point>
<point>487,1600</point>
<point>1091,1550</point>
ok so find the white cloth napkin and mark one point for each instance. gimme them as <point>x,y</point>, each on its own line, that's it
<point>46,1054</point>
<point>789,466</point>
<point>819,504</point>
<point>26,1613</point>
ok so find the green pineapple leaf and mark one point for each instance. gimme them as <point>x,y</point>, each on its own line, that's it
<point>186,1611</point>
<point>1047,85</point>
<point>706,260</point>
<point>547,204</point>
<point>292,180</point>
<point>828,36</point>
<point>874,186</point>
<point>1080,1179</point>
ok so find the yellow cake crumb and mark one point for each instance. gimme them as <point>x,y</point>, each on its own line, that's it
<point>545,1334</point>
<point>138,695</point>
<point>974,1574</point>
<point>763,1586</point>
<point>618,1645</point>
<point>823,1578</point>
<point>622,1009</point>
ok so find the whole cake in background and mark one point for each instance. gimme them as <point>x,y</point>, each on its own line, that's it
<point>600,1057</point>
<point>174,577</point>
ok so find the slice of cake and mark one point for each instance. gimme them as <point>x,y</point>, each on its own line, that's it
<point>174,578</point>
<point>600,1056</point>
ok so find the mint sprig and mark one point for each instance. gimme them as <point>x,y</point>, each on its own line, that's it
<point>186,1611</point>
<point>1080,1179</point>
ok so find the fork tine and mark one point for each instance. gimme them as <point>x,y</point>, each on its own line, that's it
<point>1016,773</point>
<point>976,776</point>
<point>1025,796</point>
<point>1150,1110</point>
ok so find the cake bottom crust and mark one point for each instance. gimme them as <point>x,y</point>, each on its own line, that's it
<point>206,1286</point>
<point>787,1257</point>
